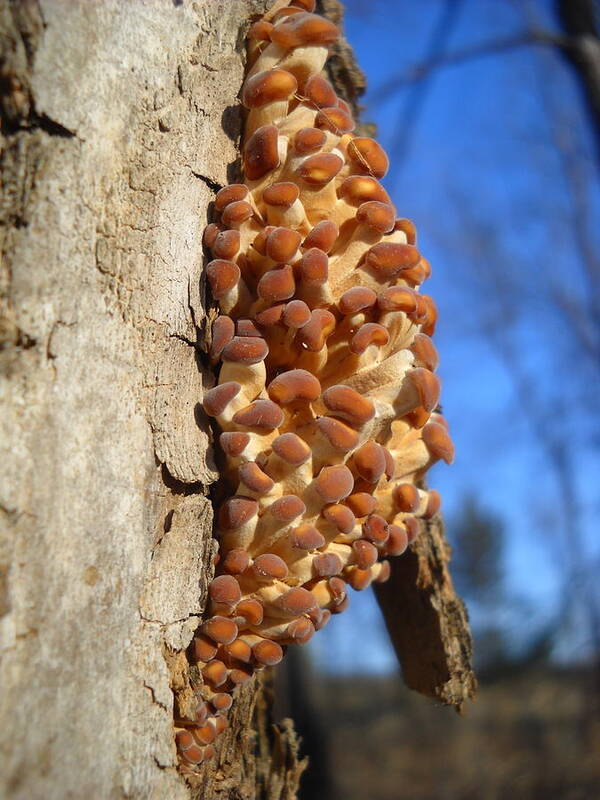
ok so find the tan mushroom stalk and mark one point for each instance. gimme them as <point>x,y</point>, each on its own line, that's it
<point>326,395</point>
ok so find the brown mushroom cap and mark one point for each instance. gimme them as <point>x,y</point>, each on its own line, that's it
<point>230,194</point>
<point>234,442</point>
<point>339,436</point>
<point>384,572</point>
<point>224,590</point>
<point>365,553</point>
<point>295,602</point>
<point>215,672</point>
<point>222,333</point>
<point>320,92</point>
<point>245,350</point>
<point>305,5</point>
<point>361,504</point>
<point>236,511</point>
<point>235,562</point>
<point>203,648</point>
<point>296,384</point>
<point>341,516</point>
<point>314,334</point>
<point>296,314</point>
<point>369,462</point>
<point>210,234</point>
<point>358,189</point>
<point>368,156</point>
<point>261,153</point>
<point>321,168</point>
<point>434,503</point>
<point>380,216</point>
<point>291,448</point>
<point>406,497</point>
<point>226,244</point>
<point>308,140</point>
<point>263,414</point>
<point>267,653</point>
<point>397,541</point>
<point>438,442</point>
<point>334,483</point>
<point>239,650</point>
<point>252,476</point>
<point>270,566</point>
<point>313,267</point>
<point>282,244</point>
<point>389,258</point>
<point>222,276</point>
<point>268,87</point>
<point>300,630</point>
<point>398,298</point>
<point>322,236</point>
<point>287,508</point>
<point>217,399</point>
<point>335,119</point>
<point>251,611</point>
<point>427,385</point>
<point>371,333</point>
<point>282,194</point>
<point>348,404</point>
<point>408,228</point>
<point>357,299</point>
<point>307,537</point>
<point>236,213</point>
<point>375,529</point>
<point>326,565</point>
<point>304,29</point>
<point>270,316</point>
<point>277,285</point>
<point>220,629</point>
<point>260,31</point>
<point>247,327</point>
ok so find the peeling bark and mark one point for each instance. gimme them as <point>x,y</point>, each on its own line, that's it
<point>427,621</point>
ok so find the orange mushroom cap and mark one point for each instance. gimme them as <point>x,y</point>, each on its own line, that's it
<point>268,86</point>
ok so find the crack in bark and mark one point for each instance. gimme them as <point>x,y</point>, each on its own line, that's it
<point>214,186</point>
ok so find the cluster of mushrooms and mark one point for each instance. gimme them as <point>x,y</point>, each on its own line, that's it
<point>327,391</point>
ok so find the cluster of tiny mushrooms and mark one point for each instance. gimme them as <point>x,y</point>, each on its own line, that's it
<point>326,393</point>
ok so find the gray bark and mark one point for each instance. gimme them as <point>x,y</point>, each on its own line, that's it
<point>120,121</point>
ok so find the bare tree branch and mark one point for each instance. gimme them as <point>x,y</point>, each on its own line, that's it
<point>422,70</point>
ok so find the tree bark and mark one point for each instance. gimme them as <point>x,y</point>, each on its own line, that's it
<point>120,121</point>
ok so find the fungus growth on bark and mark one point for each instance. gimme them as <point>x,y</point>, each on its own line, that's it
<point>326,396</point>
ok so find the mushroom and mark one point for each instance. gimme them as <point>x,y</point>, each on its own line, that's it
<point>326,400</point>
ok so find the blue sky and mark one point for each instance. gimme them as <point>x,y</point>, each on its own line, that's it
<point>490,150</point>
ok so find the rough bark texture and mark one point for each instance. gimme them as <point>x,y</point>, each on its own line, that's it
<point>120,121</point>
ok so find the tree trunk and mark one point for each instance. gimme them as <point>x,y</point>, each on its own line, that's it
<point>120,121</point>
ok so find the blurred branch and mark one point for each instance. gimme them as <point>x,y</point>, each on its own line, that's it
<point>545,424</point>
<point>583,314</point>
<point>579,19</point>
<point>416,96</point>
<point>419,72</point>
